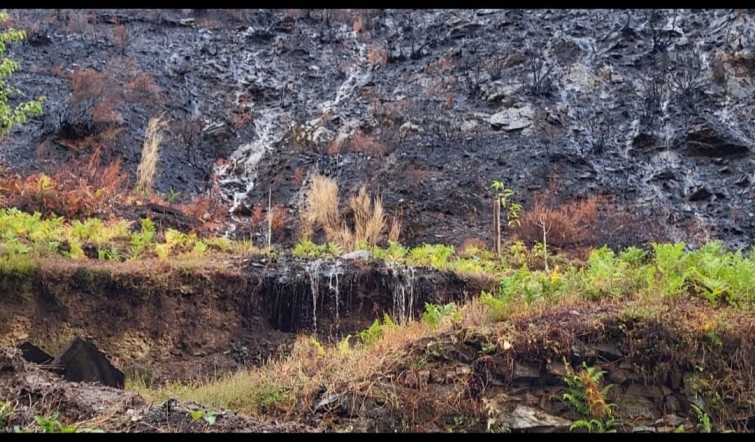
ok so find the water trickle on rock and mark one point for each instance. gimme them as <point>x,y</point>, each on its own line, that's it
<point>333,274</point>
<point>313,270</point>
<point>403,291</point>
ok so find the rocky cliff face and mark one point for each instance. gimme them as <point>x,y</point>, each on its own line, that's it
<point>425,107</point>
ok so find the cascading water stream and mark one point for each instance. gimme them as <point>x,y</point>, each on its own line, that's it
<point>313,270</point>
<point>403,291</point>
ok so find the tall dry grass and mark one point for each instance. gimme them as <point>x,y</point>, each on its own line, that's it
<point>322,212</point>
<point>369,220</point>
<point>153,136</point>
<point>322,207</point>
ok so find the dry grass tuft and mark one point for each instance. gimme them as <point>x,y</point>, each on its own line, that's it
<point>369,220</point>
<point>322,207</point>
<point>394,229</point>
<point>153,136</point>
<point>322,213</point>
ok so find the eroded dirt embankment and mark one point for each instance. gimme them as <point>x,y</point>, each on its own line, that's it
<point>673,367</point>
<point>185,320</point>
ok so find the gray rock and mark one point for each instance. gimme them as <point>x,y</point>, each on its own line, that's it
<point>511,119</point>
<point>322,135</point>
<point>608,352</point>
<point>525,373</point>
<point>643,429</point>
<point>362,255</point>
<point>532,419</point>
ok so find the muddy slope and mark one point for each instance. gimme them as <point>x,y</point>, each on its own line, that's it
<point>427,107</point>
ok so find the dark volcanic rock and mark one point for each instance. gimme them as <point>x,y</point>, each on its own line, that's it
<point>82,361</point>
<point>700,194</point>
<point>715,141</point>
<point>32,353</point>
<point>528,96</point>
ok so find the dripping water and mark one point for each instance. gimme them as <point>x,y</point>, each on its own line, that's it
<point>333,273</point>
<point>313,270</point>
<point>403,291</point>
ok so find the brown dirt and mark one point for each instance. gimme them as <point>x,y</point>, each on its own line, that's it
<point>34,392</point>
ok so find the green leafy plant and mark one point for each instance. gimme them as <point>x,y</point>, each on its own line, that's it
<point>317,345</point>
<point>703,419</point>
<point>51,424</point>
<point>334,249</point>
<point>208,416</point>
<point>12,116</point>
<point>307,249</point>
<point>172,195</point>
<point>588,398</point>
<point>220,243</point>
<point>503,194</point>
<point>5,411</point>
<point>427,255</point>
<point>143,239</point>
<point>395,252</point>
<point>434,314</point>
<point>344,347</point>
<point>372,335</point>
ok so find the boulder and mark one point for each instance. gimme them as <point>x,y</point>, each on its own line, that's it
<point>513,118</point>
<point>82,361</point>
<point>528,419</point>
<point>32,353</point>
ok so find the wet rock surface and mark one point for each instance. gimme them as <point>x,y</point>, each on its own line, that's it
<point>437,103</point>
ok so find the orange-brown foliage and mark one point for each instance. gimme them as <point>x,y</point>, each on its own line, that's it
<point>335,147</point>
<point>77,189</point>
<point>119,37</point>
<point>241,117</point>
<point>567,224</point>
<point>363,143</point>
<point>279,218</point>
<point>579,224</point>
<point>449,103</point>
<point>445,63</point>
<point>377,55</point>
<point>96,93</point>
<point>141,88</point>
<point>99,93</point>
<point>257,218</point>
<point>298,177</point>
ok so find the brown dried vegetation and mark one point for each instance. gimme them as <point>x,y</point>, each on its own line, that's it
<point>76,190</point>
<point>322,214</point>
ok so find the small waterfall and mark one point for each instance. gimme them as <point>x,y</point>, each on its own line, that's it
<point>333,273</point>
<point>403,291</point>
<point>316,270</point>
<point>313,270</point>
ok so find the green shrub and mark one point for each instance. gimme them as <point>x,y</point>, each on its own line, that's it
<point>427,255</point>
<point>434,314</point>
<point>307,249</point>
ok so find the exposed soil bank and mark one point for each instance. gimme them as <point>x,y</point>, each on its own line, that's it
<point>185,320</point>
<point>510,376</point>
